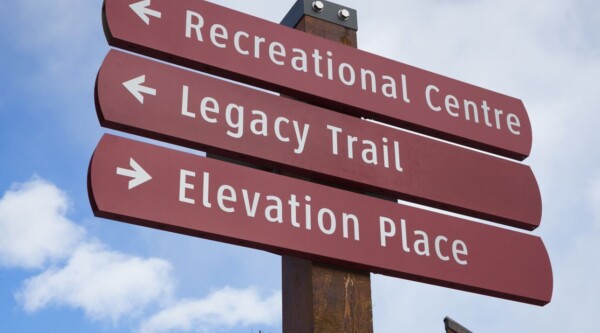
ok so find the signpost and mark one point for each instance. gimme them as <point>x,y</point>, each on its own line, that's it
<point>208,37</point>
<point>162,102</point>
<point>165,189</point>
<point>314,227</point>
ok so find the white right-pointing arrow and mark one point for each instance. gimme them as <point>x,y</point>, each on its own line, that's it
<point>136,88</point>
<point>138,174</point>
<point>142,10</point>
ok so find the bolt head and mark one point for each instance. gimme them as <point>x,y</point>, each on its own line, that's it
<point>318,6</point>
<point>344,14</point>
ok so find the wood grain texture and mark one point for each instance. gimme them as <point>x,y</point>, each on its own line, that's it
<point>319,298</point>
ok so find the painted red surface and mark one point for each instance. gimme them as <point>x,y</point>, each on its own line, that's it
<point>208,37</point>
<point>211,199</point>
<point>418,169</point>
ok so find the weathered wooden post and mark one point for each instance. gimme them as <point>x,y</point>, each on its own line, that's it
<point>318,297</point>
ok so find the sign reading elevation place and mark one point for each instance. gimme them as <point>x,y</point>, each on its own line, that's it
<point>208,37</point>
<point>179,192</point>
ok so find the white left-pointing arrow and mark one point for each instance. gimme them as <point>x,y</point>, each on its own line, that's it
<point>142,10</point>
<point>138,174</point>
<point>136,88</point>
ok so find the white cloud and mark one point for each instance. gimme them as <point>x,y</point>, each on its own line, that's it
<point>35,232</point>
<point>103,283</point>
<point>222,309</point>
<point>33,227</point>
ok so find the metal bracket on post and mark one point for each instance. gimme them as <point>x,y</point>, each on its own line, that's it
<point>324,10</point>
<point>454,327</point>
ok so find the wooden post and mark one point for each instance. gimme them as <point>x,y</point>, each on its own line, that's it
<point>319,298</point>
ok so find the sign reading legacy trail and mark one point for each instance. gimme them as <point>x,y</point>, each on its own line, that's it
<point>148,98</point>
<point>184,193</point>
<point>205,36</point>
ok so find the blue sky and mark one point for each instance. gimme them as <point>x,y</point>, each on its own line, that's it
<point>56,258</point>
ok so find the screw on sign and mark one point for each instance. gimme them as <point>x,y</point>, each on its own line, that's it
<point>160,188</point>
<point>205,36</point>
<point>318,6</point>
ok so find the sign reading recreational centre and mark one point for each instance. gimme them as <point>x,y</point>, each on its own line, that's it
<point>208,37</point>
<point>179,192</point>
<point>159,101</point>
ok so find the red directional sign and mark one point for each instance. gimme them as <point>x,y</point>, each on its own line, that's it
<point>160,188</point>
<point>208,37</point>
<point>159,101</point>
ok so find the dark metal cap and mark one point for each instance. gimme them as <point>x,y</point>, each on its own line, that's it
<point>324,10</point>
<point>454,327</point>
